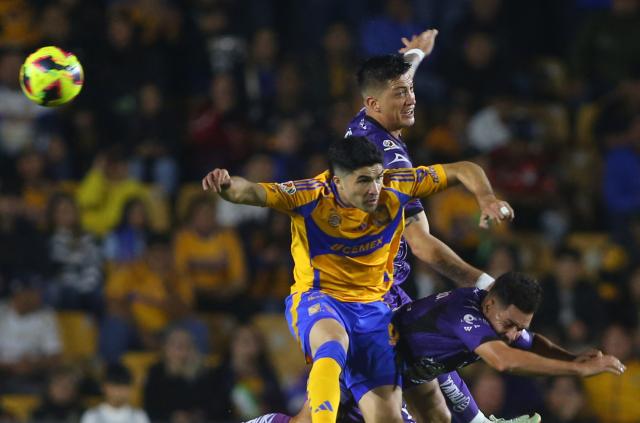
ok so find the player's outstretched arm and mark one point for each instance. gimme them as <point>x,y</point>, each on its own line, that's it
<point>234,188</point>
<point>503,358</point>
<point>475,180</point>
<point>436,253</point>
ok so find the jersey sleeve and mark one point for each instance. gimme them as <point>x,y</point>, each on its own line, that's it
<point>294,197</point>
<point>416,182</point>
<point>525,341</point>
<point>473,329</point>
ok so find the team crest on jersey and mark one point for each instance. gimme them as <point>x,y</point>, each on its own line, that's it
<point>314,309</point>
<point>390,145</point>
<point>334,219</point>
<point>287,187</point>
<point>363,124</point>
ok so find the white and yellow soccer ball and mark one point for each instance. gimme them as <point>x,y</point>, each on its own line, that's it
<point>51,76</point>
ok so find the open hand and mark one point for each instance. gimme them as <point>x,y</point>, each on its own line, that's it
<point>424,42</point>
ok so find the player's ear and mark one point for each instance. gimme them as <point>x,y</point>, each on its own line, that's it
<point>337,181</point>
<point>372,103</point>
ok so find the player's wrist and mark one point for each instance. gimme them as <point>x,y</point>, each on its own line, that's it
<point>416,51</point>
<point>484,281</point>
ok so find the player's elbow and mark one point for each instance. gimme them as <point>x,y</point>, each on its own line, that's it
<point>500,364</point>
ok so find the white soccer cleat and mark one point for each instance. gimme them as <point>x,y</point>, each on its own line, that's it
<point>520,419</point>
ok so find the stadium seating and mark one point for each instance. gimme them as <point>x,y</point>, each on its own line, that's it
<point>138,363</point>
<point>79,335</point>
<point>20,405</point>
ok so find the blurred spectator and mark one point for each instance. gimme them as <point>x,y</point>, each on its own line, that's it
<point>32,186</point>
<point>19,115</point>
<point>76,275</point>
<point>285,147</point>
<point>29,340</point>
<point>116,408</point>
<point>180,388</point>
<point>503,258</point>
<point>142,299</point>
<point>333,70</point>
<point>127,242</point>
<point>621,185</point>
<point>489,391</point>
<point>153,141</point>
<point>382,34</point>
<point>22,246</point>
<point>61,401</point>
<point>614,399</point>
<point>104,191</point>
<point>571,308</point>
<point>210,259</point>
<point>247,386</point>
<point>17,24</point>
<point>216,126</point>
<point>566,401</point>
<point>260,72</point>
<point>607,47</point>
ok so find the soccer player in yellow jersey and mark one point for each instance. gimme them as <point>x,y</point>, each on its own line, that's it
<point>346,229</point>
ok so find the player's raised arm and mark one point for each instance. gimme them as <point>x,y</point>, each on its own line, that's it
<point>504,358</point>
<point>416,49</point>
<point>234,188</point>
<point>475,180</point>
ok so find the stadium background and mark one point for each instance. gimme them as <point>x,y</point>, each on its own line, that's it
<point>102,219</point>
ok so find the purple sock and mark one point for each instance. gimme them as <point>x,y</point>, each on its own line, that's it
<point>462,405</point>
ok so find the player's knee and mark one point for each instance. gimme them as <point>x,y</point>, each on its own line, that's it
<point>327,330</point>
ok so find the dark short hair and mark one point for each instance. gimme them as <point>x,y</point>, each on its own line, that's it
<point>118,374</point>
<point>521,290</point>
<point>376,71</point>
<point>352,153</point>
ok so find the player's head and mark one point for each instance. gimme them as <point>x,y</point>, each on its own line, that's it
<point>387,90</point>
<point>511,303</point>
<point>356,169</point>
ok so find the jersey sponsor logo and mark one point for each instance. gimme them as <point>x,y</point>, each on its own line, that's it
<point>458,399</point>
<point>390,145</point>
<point>468,328</point>
<point>345,249</point>
<point>399,158</point>
<point>287,187</point>
<point>442,295</point>
<point>468,318</point>
<point>314,309</point>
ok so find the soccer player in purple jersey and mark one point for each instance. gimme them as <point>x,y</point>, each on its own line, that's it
<point>453,329</point>
<point>386,84</point>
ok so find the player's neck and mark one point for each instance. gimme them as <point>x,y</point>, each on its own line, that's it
<point>380,118</point>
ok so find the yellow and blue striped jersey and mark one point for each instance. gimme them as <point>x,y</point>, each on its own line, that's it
<point>344,251</point>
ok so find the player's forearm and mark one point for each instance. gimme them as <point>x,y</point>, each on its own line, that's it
<point>471,176</point>
<point>544,347</point>
<point>242,191</point>
<point>530,364</point>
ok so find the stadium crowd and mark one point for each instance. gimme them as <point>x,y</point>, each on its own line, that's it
<point>121,282</point>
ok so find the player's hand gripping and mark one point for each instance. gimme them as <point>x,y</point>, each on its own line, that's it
<point>217,180</point>
<point>600,364</point>
<point>494,210</point>
<point>424,42</point>
<point>588,355</point>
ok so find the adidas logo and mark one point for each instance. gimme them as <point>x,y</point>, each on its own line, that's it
<point>325,406</point>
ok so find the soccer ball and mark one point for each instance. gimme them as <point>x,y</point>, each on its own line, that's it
<point>51,76</point>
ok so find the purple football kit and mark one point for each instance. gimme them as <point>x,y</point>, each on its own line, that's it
<point>439,333</point>
<point>395,155</point>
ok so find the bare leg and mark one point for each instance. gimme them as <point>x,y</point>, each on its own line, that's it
<point>382,405</point>
<point>427,404</point>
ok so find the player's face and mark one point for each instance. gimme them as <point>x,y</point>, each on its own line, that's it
<point>398,102</point>
<point>508,322</point>
<point>361,188</point>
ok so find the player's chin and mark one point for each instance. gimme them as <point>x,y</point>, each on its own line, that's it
<point>407,120</point>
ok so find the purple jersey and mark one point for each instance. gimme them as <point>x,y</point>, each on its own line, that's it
<point>395,155</point>
<point>439,333</point>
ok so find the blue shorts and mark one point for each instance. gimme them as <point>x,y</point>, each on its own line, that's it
<point>370,358</point>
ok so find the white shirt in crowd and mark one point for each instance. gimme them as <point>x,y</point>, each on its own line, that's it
<point>104,413</point>
<point>30,335</point>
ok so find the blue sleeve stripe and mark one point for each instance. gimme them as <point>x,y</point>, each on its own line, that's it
<point>404,198</point>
